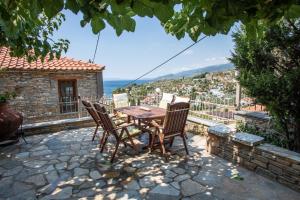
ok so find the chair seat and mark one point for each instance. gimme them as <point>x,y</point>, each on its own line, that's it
<point>121,115</point>
<point>133,130</point>
<point>118,121</point>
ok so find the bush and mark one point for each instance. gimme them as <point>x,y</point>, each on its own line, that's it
<point>272,136</point>
<point>269,66</point>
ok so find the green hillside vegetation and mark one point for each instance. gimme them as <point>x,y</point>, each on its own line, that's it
<point>186,86</point>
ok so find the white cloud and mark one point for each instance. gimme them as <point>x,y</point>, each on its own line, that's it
<point>210,59</point>
<point>216,60</point>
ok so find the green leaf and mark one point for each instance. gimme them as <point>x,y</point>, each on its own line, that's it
<point>97,24</point>
<point>194,33</point>
<point>141,9</point>
<point>163,13</point>
<point>118,31</point>
<point>52,8</point>
<point>73,6</point>
<point>293,12</point>
<point>128,23</point>
<point>120,8</point>
<point>83,22</point>
<point>116,23</point>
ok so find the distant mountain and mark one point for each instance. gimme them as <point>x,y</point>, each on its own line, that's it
<point>194,72</point>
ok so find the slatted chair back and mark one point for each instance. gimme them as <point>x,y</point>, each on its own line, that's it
<point>120,100</point>
<point>91,110</point>
<point>166,98</point>
<point>181,99</point>
<point>175,119</point>
<point>107,122</point>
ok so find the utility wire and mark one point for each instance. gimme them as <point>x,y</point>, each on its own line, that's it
<point>160,65</point>
<point>96,48</point>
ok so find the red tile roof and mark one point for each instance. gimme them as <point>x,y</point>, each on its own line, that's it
<point>64,63</point>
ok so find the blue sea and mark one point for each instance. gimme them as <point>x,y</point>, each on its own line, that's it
<point>109,86</point>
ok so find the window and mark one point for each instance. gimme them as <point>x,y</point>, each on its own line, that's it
<point>67,91</point>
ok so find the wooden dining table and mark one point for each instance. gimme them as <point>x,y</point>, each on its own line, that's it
<point>143,113</point>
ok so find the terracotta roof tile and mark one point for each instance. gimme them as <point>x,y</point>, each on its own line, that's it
<point>64,63</point>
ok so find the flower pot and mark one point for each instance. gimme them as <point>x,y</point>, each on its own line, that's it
<point>10,121</point>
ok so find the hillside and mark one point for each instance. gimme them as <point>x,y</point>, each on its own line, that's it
<point>194,72</point>
<point>209,84</point>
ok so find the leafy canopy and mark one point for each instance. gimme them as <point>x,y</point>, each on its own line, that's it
<point>269,68</point>
<point>27,26</point>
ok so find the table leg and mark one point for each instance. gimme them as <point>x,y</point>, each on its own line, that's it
<point>128,119</point>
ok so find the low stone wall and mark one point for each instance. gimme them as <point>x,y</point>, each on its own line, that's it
<point>198,129</point>
<point>247,150</point>
<point>56,126</point>
<point>199,126</point>
<point>259,121</point>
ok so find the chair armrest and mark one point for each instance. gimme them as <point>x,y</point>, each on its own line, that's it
<point>155,124</point>
<point>112,115</point>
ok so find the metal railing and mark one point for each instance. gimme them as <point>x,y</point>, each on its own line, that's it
<point>206,107</point>
<point>49,109</point>
<point>215,109</point>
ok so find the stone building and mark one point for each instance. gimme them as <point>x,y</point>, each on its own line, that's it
<point>49,89</point>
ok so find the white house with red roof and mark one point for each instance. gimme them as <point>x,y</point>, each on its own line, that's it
<point>49,87</point>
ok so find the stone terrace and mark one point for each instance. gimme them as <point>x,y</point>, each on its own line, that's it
<point>67,165</point>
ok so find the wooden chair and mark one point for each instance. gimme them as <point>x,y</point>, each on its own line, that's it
<point>117,120</point>
<point>91,110</point>
<point>120,100</point>
<point>179,99</point>
<point>166,98</point>
<point>174,125</point>
<point>122,133</point>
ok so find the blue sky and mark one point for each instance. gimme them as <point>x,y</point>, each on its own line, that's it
<point>132,54</point>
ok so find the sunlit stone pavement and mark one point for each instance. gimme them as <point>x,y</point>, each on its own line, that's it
<point>68,165</point>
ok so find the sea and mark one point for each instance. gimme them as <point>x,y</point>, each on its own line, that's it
<point>111,85</point>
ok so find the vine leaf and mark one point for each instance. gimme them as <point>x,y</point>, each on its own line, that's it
<point>97,24</point>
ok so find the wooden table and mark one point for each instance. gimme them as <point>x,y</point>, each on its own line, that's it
<point>137,112</point>
<point>142,115</point>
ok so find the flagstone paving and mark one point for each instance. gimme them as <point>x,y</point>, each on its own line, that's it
<point>68,165</point>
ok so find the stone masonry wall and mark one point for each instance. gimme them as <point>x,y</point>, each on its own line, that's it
<point>259,121</point>
<point>246,150</point>
<point>198,129</point>
<point>37,92</point>
<point>68,124</point>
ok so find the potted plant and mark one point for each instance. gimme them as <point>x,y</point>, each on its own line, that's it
<point>7,96</point>
<point>10,120</point>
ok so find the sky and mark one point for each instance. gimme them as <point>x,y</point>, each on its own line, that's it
<point>134,53</point>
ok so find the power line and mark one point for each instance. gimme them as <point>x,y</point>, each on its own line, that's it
<point>171,58</point>
<point>96,48</point>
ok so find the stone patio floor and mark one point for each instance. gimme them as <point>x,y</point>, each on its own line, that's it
<point>68,165</point>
